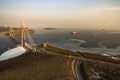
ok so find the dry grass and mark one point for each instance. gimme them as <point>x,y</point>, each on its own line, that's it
<point>106,70</point>
<point>37,67</point>
<point>60,50</point>
<point>95,56</point>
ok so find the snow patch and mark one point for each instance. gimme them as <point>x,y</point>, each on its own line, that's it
<point>12,53</point>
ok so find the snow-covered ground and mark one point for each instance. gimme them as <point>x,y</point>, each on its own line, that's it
<point>12,53</point>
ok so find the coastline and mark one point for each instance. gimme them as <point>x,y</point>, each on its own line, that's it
<point>59,66</point>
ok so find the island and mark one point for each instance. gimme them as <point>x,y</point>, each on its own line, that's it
<point>51,28</point>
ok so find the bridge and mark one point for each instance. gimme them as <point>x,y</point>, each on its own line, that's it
<point>25,40</point>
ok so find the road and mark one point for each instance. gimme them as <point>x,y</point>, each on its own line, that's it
<point>78,67</point>
<point>77,70</point>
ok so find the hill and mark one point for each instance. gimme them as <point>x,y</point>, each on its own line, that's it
<point>37,67</point>
<point>95,66</point>
<point>59,66</point>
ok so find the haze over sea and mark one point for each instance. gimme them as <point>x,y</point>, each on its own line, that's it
<point>95,41</point>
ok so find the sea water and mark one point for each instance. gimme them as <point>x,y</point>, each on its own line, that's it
<point>96,41</point>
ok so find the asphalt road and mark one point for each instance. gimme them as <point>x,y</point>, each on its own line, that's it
<point>77,70</point>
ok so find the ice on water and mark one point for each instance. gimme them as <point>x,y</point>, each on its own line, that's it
<point>12,53</point>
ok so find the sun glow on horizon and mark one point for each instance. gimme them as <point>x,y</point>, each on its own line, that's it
<point>65,13</point>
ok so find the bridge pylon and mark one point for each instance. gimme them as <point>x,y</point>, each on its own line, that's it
<point>23,37</point>
<point>27,41</point>
<point>10,31</point>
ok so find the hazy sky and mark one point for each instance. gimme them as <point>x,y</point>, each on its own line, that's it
<point>62,13</point>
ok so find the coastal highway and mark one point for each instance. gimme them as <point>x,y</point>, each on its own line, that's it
<point>77,70</point>
<point>78,65</point>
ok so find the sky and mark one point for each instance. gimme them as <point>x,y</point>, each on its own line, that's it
<point>94,14</point>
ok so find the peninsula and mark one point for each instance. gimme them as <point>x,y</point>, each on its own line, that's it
<point>60,64</point>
